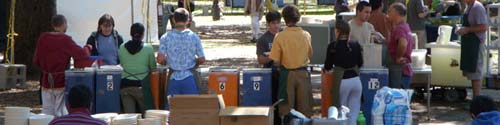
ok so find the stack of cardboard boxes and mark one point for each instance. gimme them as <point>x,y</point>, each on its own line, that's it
<point>210,110</point>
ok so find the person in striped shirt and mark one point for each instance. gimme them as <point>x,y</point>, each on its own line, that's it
<point>79,99</point>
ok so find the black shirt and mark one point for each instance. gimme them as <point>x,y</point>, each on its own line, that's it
<point>344,56</point>
<point>264,44</point>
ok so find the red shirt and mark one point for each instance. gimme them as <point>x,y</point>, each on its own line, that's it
<point>399,31</point>
<point>77,116</point>
<point>52,55</point>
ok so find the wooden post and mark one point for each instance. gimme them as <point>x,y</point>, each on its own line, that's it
<point>305,7</point>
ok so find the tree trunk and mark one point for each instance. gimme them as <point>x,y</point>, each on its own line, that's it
<point>3,25</point>
<point>32,17</point>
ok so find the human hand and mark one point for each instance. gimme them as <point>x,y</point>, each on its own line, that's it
<point>463,31</point>
<point>88,49</point>
<point>401,61</point>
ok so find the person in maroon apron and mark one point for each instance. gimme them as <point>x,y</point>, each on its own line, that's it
<point>473,34</point>
<point>52,57</point>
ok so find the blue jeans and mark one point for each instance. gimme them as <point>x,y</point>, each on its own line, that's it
<point>405,81</point>
<point>181,87</point>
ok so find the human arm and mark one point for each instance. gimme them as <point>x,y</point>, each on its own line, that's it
<point>472,29</point>
<point>421,10</point>
<point>162,51</point>
<point>79,54</point>
<point>261,48</point>
<point>151,58</point>
<point>328,64</point>
<point>160,59</point>
<point>402,44</point>
<point>276,51</point>
<point>199,51</point>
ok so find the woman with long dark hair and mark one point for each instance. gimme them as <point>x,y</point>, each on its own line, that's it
<point>345,57</point>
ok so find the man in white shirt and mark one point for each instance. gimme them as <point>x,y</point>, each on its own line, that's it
<point>361,30</point>
<point>254,9</point>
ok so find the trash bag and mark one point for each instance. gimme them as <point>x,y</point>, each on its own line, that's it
<point>392,107</point>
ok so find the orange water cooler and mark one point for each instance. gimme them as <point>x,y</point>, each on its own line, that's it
<point>326,99</point>
<point>225,82</point>
<point>158,80</point>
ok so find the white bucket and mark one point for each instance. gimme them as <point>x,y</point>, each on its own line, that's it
<point>372,55</point>
<point>444,32</point>
<point>414,36</point>
<point>16,121</point>
<point>17,115</point>
<point>418,58</point>
<point>14,112</point>
<point>40,119</point>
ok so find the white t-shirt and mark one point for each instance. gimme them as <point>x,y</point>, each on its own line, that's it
<point>362,33</point>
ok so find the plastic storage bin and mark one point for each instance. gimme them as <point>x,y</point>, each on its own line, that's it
<point>257,87</point>
<point>225,82</point>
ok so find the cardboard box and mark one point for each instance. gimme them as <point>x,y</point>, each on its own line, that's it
<point>324,121</point>
<point>246,116</point>
<point>195,117</point>
<point>195,109</point>
<point>197,102</point>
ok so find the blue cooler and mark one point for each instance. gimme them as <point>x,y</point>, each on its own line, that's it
<point>107,89</point>
<point>257,87</point>
<point>372,79</point>
<point>75,77</point>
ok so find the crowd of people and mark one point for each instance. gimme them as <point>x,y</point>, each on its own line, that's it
<point>180,48</point>
<point>286,52</point>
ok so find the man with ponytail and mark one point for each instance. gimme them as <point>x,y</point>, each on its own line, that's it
<point>181,48</point>
<point>137,59</point>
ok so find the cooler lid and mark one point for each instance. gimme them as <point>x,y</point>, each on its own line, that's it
<point>223,70</point>
<point>257,70</point>
<point>110,68</point>
<point>245,111</point>
<point>445,45</point>
<point>374,69</point>
<point>85,70</point>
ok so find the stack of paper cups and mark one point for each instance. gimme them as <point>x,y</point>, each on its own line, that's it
<point>17,115</point>
<point>107,117</point>
<point>149,122</point>
<point>126,119</point>
<point>40,119</point>
<point>161,115</point>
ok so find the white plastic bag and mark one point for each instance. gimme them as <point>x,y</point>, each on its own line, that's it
<point>392,107</point>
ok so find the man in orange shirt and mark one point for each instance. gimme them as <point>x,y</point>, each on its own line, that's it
<point>291,52</point>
